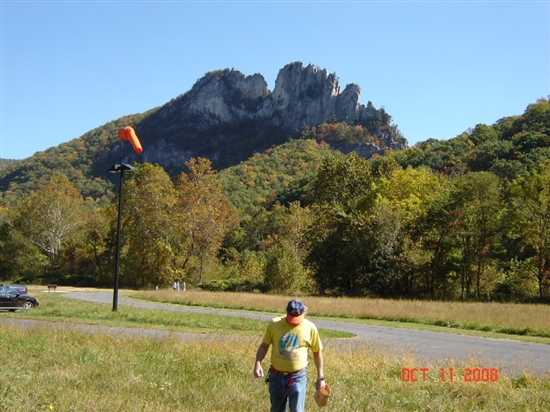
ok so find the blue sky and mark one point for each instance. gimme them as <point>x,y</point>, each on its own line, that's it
<point>437,67</point>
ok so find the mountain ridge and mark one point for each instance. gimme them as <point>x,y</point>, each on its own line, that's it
<point>303,96</point>
<point>225,117</point>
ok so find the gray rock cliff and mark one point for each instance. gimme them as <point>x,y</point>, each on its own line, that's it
<point>302,96</point>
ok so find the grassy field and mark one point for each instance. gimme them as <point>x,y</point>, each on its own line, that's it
<point>55,307</point>
<point>520,320</point>
<point>72,371</point>
<point>75,371</point>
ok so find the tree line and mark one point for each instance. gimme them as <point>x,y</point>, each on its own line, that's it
<point>464,219</point>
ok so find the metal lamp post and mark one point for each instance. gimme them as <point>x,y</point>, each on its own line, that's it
<point>125,133</point>
<point>119,168</point>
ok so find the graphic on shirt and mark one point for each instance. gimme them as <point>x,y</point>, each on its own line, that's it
<point>288,343</point>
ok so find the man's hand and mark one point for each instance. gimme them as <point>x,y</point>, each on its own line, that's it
<point>258,370</point>
<point>320,384</point>
<point>260,355</point>
<point>319,364</point>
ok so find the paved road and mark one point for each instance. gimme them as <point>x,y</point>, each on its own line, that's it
<point>512,358</point>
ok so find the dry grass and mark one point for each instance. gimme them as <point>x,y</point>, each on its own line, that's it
<point>75,371</point>
<point>501,317</point>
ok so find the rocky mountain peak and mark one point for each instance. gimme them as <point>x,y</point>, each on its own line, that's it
<point>302,96</point>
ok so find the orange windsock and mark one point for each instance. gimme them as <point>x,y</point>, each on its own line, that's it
<point>128,133</point>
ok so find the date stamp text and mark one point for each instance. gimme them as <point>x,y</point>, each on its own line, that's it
<point>450,374</point>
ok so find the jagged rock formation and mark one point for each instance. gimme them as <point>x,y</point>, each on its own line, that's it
<point>226,117</point>
<point>303,96</point>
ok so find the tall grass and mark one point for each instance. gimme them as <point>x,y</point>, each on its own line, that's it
<point>520,319</point>
<point>56,307</point>
<point>76,371</point>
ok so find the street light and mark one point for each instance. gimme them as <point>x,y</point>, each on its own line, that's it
<point>119,168</point>
<point>125,133</point>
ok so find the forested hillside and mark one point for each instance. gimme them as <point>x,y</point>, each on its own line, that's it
<point>464,218</point>
<point>84,161</point>
<point>4,163</point>
<point>278,175</point>
<point>509,148</point>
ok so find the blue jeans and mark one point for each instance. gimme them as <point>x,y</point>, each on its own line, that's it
<point>281,393</point>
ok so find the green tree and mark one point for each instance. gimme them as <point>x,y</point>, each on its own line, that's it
<point>530,203</point>
<point>100,242</point>
<point>20,260</point>
<point>413,197</point>
<point>204,210</point>
<point>51,217</point>
<point>342,180</point>
<point>479,225</point>
<point>150,228</point>
<point>283,270</point>
<point>252,267</point>
<point>437,249</point>
<point>339,233</point>
<point>294,228</point>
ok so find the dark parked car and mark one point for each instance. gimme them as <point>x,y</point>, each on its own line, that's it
<point>11,299</point>
<point>18,288</point>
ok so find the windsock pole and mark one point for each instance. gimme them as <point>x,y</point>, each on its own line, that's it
<point>125,133</point>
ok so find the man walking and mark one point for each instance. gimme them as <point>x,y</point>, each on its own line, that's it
<point>291,336</point>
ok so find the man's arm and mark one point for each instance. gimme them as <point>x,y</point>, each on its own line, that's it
<point>260,355</point>
<point>319,364</point>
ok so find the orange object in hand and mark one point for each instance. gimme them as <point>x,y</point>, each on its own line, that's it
<point>128,133</point>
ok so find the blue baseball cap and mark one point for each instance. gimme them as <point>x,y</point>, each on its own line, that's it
<point>295,312</point>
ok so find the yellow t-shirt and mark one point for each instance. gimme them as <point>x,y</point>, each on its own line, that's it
<point>291,343</point>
